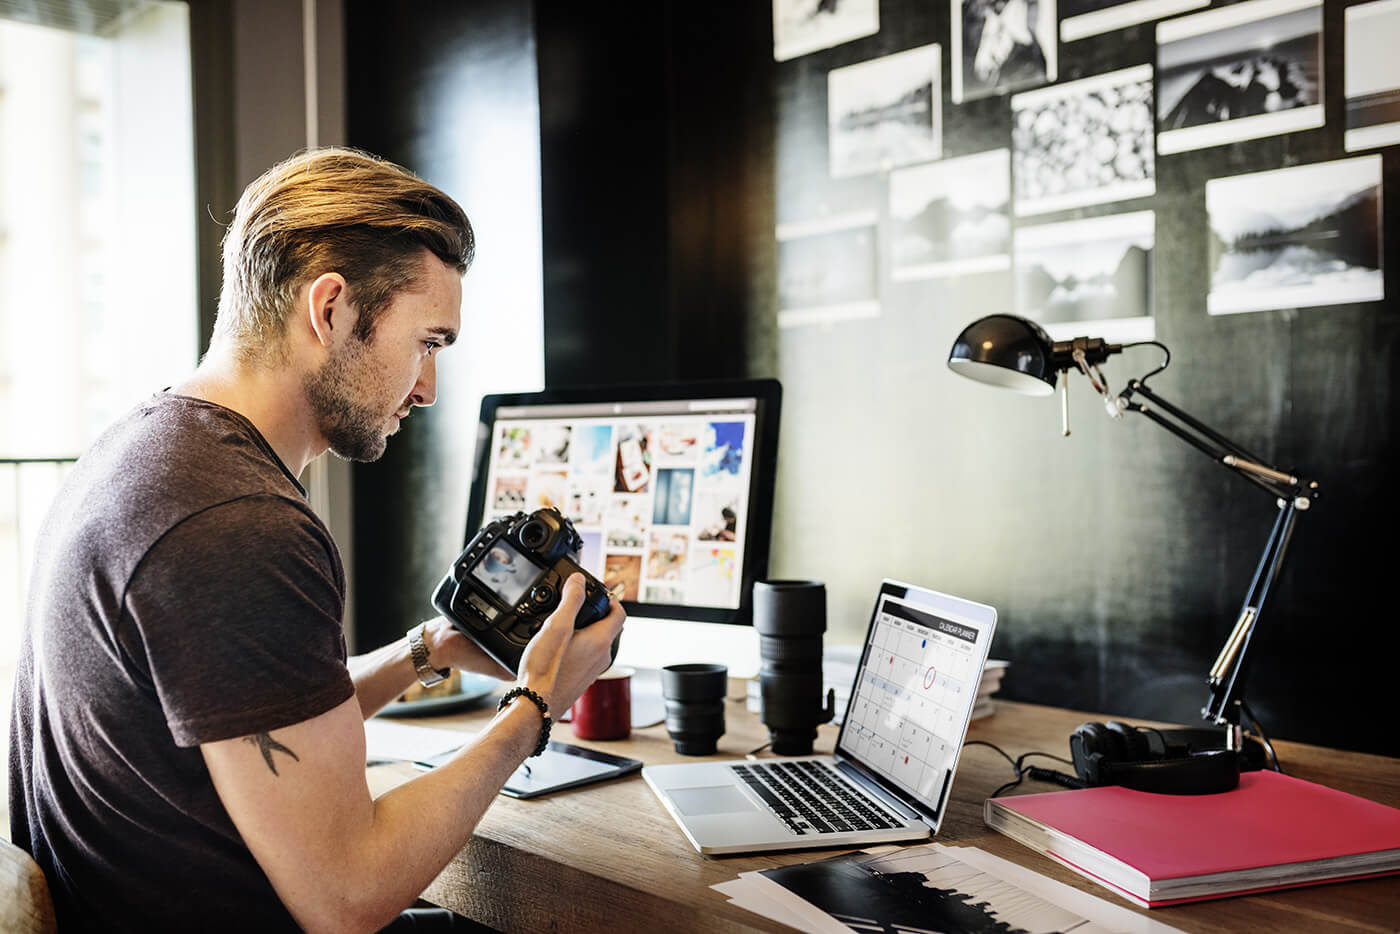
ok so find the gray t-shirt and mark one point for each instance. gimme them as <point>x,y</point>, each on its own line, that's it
<point>183,592</point>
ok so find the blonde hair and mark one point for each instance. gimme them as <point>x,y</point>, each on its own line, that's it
<point>330,210</point>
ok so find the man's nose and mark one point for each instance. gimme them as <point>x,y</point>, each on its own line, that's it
<point>425,390</point>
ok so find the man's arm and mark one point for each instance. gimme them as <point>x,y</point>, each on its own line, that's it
<point>343,861</point>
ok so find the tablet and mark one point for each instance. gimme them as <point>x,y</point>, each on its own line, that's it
<point>560,766</point>
<point>563,766</point>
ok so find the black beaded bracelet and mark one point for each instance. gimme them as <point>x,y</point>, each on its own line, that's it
<point>511,695</point>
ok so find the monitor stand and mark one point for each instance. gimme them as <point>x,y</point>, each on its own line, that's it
<point>650,644</point>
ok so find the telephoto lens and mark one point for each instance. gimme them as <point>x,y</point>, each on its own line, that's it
<point>694,696</point>
<point>790,616</point>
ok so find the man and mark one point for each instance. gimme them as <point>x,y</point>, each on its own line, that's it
<point>188,749</point>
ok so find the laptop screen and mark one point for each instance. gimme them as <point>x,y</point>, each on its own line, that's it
<point>914,691</point>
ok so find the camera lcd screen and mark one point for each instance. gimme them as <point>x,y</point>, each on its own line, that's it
<point>508,573</point>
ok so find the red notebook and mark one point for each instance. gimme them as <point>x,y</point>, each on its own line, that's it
<point>1272,832</point>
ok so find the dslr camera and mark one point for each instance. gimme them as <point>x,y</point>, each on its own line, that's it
<point>509,578</point>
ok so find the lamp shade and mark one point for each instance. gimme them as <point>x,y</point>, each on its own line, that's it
<point>1006,351</point>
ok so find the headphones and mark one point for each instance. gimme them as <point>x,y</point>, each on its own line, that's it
<point>1115,753</point>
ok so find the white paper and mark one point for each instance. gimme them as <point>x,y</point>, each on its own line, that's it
<point>1095,909</point>
<point>387,740</point>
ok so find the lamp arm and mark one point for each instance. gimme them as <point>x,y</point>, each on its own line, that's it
<point>1227,676</point>
<point>1220,449</point>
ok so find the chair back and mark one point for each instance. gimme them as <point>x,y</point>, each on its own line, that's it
<point>25,905</point>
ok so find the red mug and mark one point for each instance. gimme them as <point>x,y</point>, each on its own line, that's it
<point>604,711</point>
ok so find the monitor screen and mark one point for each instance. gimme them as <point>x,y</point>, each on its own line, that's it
<point>669,485</point>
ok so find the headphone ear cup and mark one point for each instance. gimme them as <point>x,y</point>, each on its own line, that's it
<point>1086,749</point>
<point>1133,742</point>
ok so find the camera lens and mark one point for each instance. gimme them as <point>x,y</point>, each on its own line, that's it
<point>534,534</point>
<point>790,617</point>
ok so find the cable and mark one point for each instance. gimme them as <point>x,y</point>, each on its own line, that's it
<point>1263,738</point>
<point>1023,771</point>
<point>982,742</point>
<point>1166,356</point>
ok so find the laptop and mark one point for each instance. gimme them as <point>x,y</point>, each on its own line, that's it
<point>892,770</point>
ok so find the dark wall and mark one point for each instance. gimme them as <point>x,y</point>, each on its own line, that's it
<point>655,129</point>
<point>449,92</point>
<point>1117,557</point>
<point>671,145</point>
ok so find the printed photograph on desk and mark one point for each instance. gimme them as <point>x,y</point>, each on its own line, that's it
<point>828,270</point>
<point>1083,142</point>
<point>951,217</point>
<point>804,26</point>
<point>885,112</point>
<point>923,889</point>
<point>1239,72</point>
<point>1297,237</point>
<point>1093,274</point>
<point>1001,46</point>
<point>1084,18</point>
<point>1372,75</point>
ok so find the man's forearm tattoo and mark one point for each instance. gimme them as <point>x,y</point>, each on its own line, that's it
<point>267,746</point>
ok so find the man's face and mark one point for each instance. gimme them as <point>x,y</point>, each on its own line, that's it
<point>366,388</point>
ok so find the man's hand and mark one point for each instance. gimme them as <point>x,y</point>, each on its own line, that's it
<point>448,648</point>
<point>561,662</point>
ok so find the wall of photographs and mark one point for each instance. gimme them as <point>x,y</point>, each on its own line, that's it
<point>1206,175</point>
<point>732,189</point>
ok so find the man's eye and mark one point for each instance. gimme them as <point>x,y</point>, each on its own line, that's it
<point>432,345</point>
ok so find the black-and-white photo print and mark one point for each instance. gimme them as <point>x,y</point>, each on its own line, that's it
<point>1084,142</point>
<point>885,112</point>
<point>803,26</point>
<point>951,217</point>
<point>1080,19</point>
<point>1092,275</point>
<point>1372,76</point>
<point>828,270</point>
<point>1297,237</point>
<point>1244,71</point>
<point>1001,46</point>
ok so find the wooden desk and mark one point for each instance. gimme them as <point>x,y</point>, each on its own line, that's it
<point>609,858</point>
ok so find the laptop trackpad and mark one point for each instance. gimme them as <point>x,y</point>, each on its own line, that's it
<point>718,799</point>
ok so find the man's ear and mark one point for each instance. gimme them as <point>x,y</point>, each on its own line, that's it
<point>328,308</point>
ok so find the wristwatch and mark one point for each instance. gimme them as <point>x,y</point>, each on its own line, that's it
<point>428,676</point>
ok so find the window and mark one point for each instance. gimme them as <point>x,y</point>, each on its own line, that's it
<point>97,245</point>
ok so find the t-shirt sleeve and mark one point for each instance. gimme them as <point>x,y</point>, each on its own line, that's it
<point>235,615</point>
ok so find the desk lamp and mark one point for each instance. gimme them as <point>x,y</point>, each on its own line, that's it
<point>1014,353</point>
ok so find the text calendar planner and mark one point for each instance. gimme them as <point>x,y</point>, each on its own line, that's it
<point>1273,831</point>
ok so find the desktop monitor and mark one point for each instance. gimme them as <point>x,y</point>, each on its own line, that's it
<point>671,488</point>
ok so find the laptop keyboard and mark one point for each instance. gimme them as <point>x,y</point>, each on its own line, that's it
<point>811,797</point>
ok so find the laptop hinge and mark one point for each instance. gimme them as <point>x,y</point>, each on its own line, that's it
<point>877,792</point>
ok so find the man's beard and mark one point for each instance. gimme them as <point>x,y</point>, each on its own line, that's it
<point>355,431</point>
